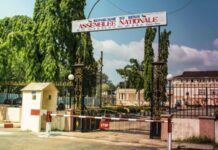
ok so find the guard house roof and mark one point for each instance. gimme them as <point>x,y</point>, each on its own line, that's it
<point>198,74</point>
<point>39,87</point>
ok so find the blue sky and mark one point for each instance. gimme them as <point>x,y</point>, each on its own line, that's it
<point>193,23</point>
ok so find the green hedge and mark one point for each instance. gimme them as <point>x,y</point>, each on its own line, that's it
<point>198,140</point>
<point>127,109</point>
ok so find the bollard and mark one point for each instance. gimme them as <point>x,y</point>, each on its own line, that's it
<point>48,122</point>
<point>169,133</point>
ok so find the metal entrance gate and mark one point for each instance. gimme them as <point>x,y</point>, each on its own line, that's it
<point>115,124</point>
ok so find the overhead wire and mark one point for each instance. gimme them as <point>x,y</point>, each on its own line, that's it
<point>170,12</point>
<point>119,8</point>
<point>92,8</point>
<point>181,8</point>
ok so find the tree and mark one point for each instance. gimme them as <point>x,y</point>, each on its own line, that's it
<point>47,46</point>
<point>56,47</point>
<point>107,85</point>
<point>133,74</point>
<point>148,60</point>
<point>44,48</point>
<point>15,40</point>
<point>163,57</point>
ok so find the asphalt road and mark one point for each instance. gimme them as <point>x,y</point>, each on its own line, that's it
<point>13,139</point>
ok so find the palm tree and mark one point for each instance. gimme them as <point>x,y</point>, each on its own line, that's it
<point>134,75</point>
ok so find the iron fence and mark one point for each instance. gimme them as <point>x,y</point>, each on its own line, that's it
<point>193,100</point>
<point>10,94</point>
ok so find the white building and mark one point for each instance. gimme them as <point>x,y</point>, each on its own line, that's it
<point>128,97</point>
<point>195,88</point>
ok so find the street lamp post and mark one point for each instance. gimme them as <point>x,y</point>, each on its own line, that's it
<point>169,78</point>
<point>71,78</point>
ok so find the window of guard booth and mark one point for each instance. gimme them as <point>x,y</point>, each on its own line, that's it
<point>33,95</point>
<point>49,97</point>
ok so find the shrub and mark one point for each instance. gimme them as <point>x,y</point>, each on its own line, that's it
<point>199,140</point>
<point>127,109</point>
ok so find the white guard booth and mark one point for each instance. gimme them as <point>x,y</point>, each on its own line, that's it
<point>38,98</point>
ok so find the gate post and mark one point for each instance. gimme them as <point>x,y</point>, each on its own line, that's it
<point>68,120</point>
<point>166,126</point>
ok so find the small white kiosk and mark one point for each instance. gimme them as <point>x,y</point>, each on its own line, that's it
<point>38,98</point>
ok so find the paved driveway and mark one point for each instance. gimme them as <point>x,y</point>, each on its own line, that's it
<point>14,139</point>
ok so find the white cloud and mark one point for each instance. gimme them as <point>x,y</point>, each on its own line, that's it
<point>215,43</point>
<point>122,51</point>
<point>181,58</point>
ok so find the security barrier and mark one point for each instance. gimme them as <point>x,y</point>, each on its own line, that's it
<point>104,123</point>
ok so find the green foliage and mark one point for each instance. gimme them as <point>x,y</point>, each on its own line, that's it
<point>107,85</point>
<point>135,109</point>
<point>198,140</point>
<point>127,109</point>
<point>115,108</point>
<point>48,40</point>
<point>44,48</point>
<point>90,66</point>
<point>133,74</point>
<point>57,47</point>
<point>148,60</point>
<point>15,41</point>
<point>163,57</point>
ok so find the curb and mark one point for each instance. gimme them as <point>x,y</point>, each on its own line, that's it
<point>195,146</point>
<point>10,125</point>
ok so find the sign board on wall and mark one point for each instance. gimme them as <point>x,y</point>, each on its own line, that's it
<point>104,125</point>
<point>120,22</point>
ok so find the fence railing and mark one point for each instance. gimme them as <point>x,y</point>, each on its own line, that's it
<point>193,100</point>
<point>10,94</point>
<point>187,100</point>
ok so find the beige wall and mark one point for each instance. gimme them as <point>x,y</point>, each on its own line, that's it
<point>3,111</point>
<point>8,113</point>
<point>13,114</point>
<point>185,128</point>
<point>51,104</point>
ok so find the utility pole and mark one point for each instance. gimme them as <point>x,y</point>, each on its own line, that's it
<point>101,66</point>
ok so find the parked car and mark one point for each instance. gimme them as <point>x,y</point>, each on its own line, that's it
<point>61,106</point>
<point>8,101</point>
<point>17,101</point>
